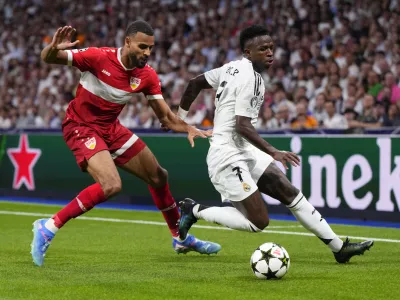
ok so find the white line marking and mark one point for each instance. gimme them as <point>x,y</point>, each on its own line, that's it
<point>21,213</point>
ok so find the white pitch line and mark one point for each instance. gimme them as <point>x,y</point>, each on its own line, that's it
<point>21,213</point>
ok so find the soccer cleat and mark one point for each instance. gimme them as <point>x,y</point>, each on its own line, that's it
<point>193,244</point>
<point>350,249</point>
<point>42,238</point>
<point>187,217</point>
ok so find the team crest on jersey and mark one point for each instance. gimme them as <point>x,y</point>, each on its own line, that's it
<point>246,187</point>
<point>253,102</point>
<point>256,102</point>
<point>135,82</point>
<point>91,143</point>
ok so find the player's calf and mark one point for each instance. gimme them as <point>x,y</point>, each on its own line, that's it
<point>255,211</point>
<point>226,216</point>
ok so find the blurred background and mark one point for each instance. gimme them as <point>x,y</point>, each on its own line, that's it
<point>332,96</point>
<point>337,63</point>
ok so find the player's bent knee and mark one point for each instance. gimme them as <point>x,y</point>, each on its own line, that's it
<point>260,224</point>
<point>160,178</point>
<point>112,187</point>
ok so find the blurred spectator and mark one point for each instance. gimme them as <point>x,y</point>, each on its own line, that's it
<point>374,85</point>
<point>344,49</point>
<point>317,107</point>
<point>367,115</point>
<point>391,91</point>
<point>393,117</point>
<point>283,117</point>
<point>303,121</point>
<point>267,119</point>
<point>334,120</point>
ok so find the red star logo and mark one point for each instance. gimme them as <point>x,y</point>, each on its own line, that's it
<point>24,159</point>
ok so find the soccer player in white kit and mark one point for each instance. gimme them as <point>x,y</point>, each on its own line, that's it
<point>240,161</point>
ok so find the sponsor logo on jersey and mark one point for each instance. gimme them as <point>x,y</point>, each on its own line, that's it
<point>106,72</point>
<point>91,143</point>
<point>79,50</point>
<point>134,82</point>
<point>246,187</point>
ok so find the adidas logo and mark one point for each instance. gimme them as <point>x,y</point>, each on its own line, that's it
<point>106,72</point>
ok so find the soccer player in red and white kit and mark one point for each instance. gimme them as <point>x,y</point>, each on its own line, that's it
<point>109,79</point>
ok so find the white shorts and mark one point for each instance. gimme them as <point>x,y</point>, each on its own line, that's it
<point>234,172</point>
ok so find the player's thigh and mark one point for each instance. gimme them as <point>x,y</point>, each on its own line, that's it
<point>92,155</point>
<point>236,184</point>
<point>145,166</point>
<point>102,168</point>
<point>123,144</point>
<point>83,141</point>
<point>254,209</point>
<point>274,183</point>
<point>131,154</point>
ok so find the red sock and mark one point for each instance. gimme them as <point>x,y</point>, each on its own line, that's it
<point>165,202</point>
<point>84,202</point>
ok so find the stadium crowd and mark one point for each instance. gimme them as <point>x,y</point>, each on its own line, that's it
<point>337,63</point>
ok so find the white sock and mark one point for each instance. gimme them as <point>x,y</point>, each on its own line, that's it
<point>50,225</point>
<point>311,219</point>
<point>227,216</point>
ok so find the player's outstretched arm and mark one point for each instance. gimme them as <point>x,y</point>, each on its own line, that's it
<point>169,120</point>
<point>190,94</point>
<point>246,129</point>
<point>54,52</point>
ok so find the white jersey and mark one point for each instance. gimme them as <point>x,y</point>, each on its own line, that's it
<point>240,92</point>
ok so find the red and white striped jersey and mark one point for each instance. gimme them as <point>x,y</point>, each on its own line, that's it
<point>106,85</point>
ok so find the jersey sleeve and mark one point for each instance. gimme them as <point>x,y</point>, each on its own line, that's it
<point>84,59</point>
<point>213,77</point>
<point>246,98</point>
<point>153,87</point>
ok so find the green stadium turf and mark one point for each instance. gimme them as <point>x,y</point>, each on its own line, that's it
<point>121,259</point>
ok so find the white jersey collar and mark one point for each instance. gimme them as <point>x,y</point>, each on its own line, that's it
<point>247,60</point>
<point>120,61</point>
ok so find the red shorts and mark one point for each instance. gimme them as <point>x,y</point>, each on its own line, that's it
<point>85,141</point>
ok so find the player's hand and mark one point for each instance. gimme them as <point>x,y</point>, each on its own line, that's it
<point>62,38</point>
<point>285,157</point>
<point>193,133</point>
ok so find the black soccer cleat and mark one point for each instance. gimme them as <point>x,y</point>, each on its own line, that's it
<point>187,217</point>
<point>350,249</point>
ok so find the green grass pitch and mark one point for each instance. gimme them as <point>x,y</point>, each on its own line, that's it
<point>117,259</point>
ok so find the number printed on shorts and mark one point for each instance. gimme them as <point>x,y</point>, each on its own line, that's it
<point>238,173</point>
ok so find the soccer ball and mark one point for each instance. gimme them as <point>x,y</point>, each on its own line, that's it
<point>270,261</point>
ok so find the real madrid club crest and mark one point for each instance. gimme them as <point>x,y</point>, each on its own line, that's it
<point>246,187</point>
<point>134,82</point>
<point>254,101</point>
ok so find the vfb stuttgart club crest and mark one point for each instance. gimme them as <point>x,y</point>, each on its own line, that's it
<point>91,143</point>
<point>135,82</point>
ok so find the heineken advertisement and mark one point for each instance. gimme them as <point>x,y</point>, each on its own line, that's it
<point>343,176</point>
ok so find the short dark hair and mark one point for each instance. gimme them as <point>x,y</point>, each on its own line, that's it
<point>303,97</point>
<point>250,33</point>
<point>332,102</point>
<point>139,26</point>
